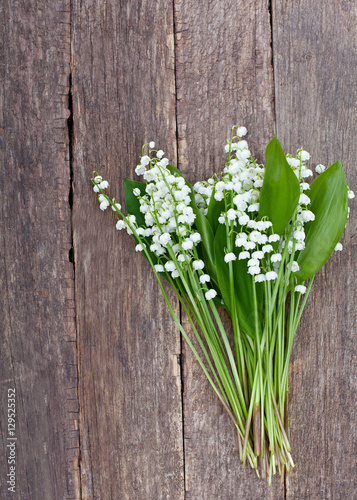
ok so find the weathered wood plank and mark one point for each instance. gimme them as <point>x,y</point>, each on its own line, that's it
<point>38,355</point>
<point>224,77</point>
<point>315,74</point>
<point>130,384</point>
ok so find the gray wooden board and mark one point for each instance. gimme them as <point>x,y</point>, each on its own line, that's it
<point>129,347</point>
<point>37,327</point>
<point>144,435</point>
<point>224,77</point>
<point>315,69</point>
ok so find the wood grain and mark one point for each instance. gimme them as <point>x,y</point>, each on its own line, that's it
<point>38,355</point>
<point>130,383</point>
<point>138,68</point>
<point>315,63</point>
<point>224,77</point>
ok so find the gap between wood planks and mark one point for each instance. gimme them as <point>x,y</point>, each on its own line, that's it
<point>271,21</point>
<point>72,250</point>
<point>180,306</point>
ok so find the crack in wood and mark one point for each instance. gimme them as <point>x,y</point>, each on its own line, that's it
<point>70,126</point>
<point>180,306</point>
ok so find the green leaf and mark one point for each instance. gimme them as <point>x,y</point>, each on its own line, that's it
<point>280,191</point>
<point>215,208</point>
<point>131,202</point>
<point>329,203</point>
<point>207,236</point>
<point>243,287</point>
<point>222,268</point>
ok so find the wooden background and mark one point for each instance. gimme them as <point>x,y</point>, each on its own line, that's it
<point>110,403</point>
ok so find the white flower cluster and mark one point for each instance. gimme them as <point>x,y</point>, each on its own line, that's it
<point>240,185</point>
<point>169,231</point>
<point>169,219</point>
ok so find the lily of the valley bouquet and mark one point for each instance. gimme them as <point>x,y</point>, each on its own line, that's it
<point>249,240</point>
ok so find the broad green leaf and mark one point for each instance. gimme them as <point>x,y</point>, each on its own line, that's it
<point>131,202</point>
<point>243,287</point>
<point>215,208</point>
<point>329,200</point>
<point>222,267</point>
<point>280,191</point>
<point>205,230</point>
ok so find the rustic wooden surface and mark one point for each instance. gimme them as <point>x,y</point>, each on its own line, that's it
<point>129,348</point>
<point>180,73</point>
<point>224,77</point>
<point>315,84</point>
<point>37,325</point>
